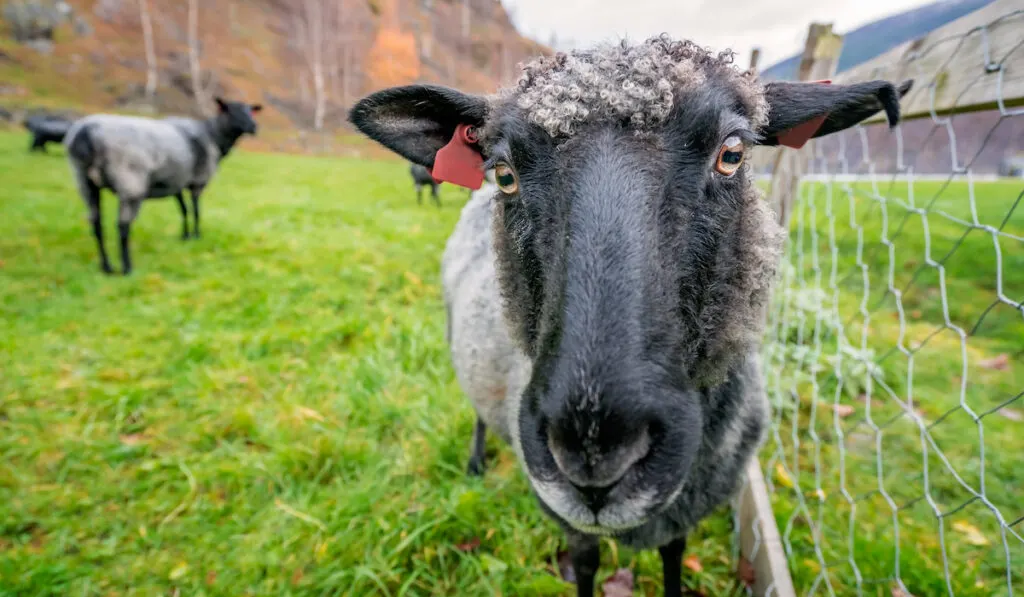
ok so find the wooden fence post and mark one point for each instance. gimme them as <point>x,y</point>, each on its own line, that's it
<point>819,61</point>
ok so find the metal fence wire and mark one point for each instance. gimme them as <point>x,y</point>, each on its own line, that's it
<point>894,355</point>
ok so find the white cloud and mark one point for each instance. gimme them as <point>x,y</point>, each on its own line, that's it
<point>778,27</point>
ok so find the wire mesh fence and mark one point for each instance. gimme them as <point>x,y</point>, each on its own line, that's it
<point>894,357</point>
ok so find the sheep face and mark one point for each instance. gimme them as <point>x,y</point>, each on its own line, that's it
<point>238,115</point>
<point>634,256</point>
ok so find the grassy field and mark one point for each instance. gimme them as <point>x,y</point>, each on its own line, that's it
<point>850,454</point>
<point>269,410</point>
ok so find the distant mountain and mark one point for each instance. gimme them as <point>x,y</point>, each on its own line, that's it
<point>866,42</point>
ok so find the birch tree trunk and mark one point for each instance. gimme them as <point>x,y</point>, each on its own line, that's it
<point>147,37</point>
<point>193,54</point>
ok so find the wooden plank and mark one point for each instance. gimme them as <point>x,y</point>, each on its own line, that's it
<point>963,66</point>
<point>760,542</point>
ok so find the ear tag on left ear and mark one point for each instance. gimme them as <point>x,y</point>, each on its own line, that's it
<point>799,135</point>
<point>459,162</point>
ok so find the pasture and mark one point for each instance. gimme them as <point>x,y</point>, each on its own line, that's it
<point>269,409</point>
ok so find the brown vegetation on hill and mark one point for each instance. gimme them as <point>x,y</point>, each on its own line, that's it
<point>306,60</point>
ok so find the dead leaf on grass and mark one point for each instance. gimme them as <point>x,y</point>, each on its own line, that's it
<point>998,363</point>
<point>565,567</point>
<point>746,573</point>
<point>898,592</point>
<point>693,563</point>
<point>132,439</point>
<point>1012,414</point>
<point>974,536</point>
<point>843,410</point>
<point>468,545</point>
<point>619,584</point>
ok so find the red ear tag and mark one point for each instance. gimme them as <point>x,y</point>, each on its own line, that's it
<point>799,135</point>
<point>459,162</point>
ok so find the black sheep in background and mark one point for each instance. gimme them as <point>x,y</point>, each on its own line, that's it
<point>46,129</point>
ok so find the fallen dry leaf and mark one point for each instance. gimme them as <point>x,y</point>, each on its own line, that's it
<point>999,363</point>
<point>211,578</point>
<point>1012,414</point>
<point>468,545</point>
<point>784,478</point>
<point>309,413</point>
<point>178,571</point>
<point>843,410</point>
<point>974,536</point>
<point>565,567</point>
<point>898,592</point>
<point>132,439</point>
<point>619,584</point>
<point>297,577</point>
<point>746,573</point>
<point>693,563</point>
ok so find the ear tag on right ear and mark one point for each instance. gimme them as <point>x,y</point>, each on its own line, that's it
<point>799,135</point>
<point>459,162</point>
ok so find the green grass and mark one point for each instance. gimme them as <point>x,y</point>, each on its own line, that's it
<point>884,455</point>
<point>269,410</point>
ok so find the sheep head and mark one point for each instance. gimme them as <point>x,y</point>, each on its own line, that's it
<point>634,255</point>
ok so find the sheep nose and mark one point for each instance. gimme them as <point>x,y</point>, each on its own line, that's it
<point>594,497</point>
<point>595,460</point>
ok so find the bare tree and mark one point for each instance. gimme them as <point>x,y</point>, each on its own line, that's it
<point>466,19</point>
<point>147,37</point>
<point>193,55</point>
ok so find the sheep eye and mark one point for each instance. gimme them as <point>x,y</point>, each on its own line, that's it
<point>730,156</point>
<point>506,178</point>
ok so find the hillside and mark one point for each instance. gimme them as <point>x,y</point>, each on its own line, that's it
<point>268,51</point>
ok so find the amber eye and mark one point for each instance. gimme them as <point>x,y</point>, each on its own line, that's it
<point>730,156</point>
<point>506,177</point>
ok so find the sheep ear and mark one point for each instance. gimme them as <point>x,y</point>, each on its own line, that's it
<point>801,111</point>
<point>415,121</point>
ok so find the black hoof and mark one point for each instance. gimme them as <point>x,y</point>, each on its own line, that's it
<point>106,269</point>
<point>475,468</point>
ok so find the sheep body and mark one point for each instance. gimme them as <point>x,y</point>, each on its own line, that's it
<point>141,158</point>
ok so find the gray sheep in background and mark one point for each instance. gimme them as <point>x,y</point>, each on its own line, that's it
<point>46,129</point>
<point>144,158</point>
<point>421,177</point>
<point>606,297</point>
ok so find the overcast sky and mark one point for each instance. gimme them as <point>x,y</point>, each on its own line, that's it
<point>778,27</point>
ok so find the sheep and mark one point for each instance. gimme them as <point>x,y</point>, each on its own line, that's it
<point>46,129</point>
<point>421,177</point>
<point>606,296</point>
<point>142,158</point>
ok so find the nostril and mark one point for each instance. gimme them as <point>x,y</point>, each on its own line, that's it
<point>594,497</point>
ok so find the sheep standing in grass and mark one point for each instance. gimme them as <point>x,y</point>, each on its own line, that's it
<point>606,298</point>
<point>46,129</point>
<point>421,177</point>
<point>143,158</point>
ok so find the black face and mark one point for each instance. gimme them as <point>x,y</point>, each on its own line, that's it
<point>239,115</point>
<point>609,247</point>
<point>633,268</point>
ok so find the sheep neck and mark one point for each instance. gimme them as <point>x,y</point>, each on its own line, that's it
<point>223,134</point>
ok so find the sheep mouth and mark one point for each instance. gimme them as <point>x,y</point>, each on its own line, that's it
<point>631,505</point>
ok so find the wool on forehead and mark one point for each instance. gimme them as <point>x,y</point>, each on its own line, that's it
<point>638,84</point>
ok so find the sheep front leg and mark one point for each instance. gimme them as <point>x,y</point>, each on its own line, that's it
<point>433,192</point>
<point>585,554</point>
<point>184,215</point>
<point>195,191</point>
<point>476,457</point>
<point>129,210</point>
<point>672,567</point>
